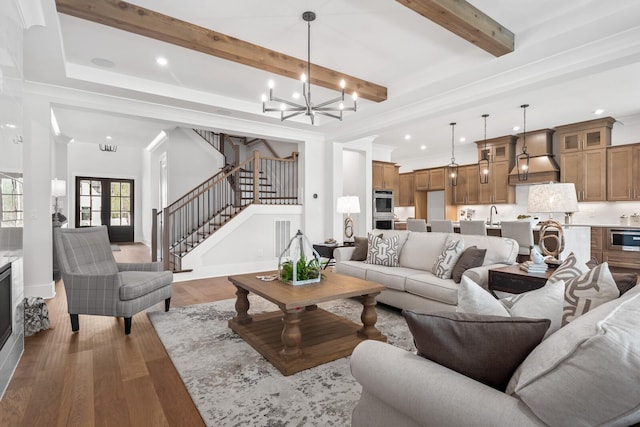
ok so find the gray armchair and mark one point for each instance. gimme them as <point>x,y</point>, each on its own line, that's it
<point>95,284</point>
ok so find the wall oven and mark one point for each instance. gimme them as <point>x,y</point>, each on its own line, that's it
<point>382,202</point>
<point>383,224</point>
<point>621,239</point>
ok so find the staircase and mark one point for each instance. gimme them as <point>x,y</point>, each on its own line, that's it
<point>190,220</point>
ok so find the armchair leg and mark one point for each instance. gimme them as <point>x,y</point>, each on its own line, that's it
<point>75,323</point>
<point>127,325</point>
<point>167,303</point>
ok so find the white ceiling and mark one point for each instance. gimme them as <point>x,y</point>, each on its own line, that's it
<point>571,57</point>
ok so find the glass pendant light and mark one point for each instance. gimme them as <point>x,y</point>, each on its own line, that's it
<point>483,164</point>
<point>522,160</point>
<point>453,166</point>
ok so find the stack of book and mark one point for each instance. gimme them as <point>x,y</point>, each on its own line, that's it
<point>530,267</point>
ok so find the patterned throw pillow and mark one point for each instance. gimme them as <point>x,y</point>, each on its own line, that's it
<point>383,251</point>
<point>569,269</point>
<point>586,292</point>
<point>443,267</point>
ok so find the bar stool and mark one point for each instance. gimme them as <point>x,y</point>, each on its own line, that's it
<point>442,226</point>
<point>417,225</point>
<point>473,227</point>
<point>521,232</point>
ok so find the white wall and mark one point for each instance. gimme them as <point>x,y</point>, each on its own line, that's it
<point>355,184</point>
<point>86,160</point>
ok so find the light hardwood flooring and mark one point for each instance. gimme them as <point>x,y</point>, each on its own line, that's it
<point>99,376</point>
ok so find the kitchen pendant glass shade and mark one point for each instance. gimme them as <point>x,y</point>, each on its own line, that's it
<point>522,159</point>
<point>483,164</point>
<point>453,166</point>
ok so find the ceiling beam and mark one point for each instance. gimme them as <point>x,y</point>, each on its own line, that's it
<point>145,22</point>
<point>468,22</point>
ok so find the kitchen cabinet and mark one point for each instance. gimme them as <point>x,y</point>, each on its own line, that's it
<point>623,173</point>
<point>588,171</point>
<point>501,154</point>
<point>430,179</point>
<point>589,135</point>
<point>385,176</point>
<point>597,242</point>
<point>407,189</point>
<point>466,192</point>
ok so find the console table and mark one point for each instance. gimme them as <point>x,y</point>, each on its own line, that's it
<point>516,281</point>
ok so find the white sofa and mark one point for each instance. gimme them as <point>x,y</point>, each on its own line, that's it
<point>412,285</point>
<point>586,373</point>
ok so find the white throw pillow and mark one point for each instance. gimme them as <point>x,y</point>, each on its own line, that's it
<point>443,267</point>
<point>586,292</point>
<point>543,303</point>
<point>570,268</point>
<point>588,372</point>
<point>383,251</point>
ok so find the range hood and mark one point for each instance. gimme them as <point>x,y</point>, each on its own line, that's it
<point>543,167</point>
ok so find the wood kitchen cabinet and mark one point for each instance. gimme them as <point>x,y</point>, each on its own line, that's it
<point>466,192</point>
<point>407,189</point>
<point>623,172</point>
<point>597,243</point>
<point>430,179</point>
<point>583,157</point>
<point>501,155</point>
<point>385,176</point>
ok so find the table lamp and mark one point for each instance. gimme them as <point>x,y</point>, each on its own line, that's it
<point>348,205</point>
<point>549,198</point>
<point>58,189</point>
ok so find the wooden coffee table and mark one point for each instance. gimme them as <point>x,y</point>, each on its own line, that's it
<point>302,335</point>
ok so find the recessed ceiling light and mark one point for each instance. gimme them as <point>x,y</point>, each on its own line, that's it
<point>423,147</point>
<point>463,139</point>
<point>109,137</point>
<point>161,61</point>
<point>104,63</point>
<point>407,137</point>
<point>516,128</point>
<point>11,126</point>
<point>295,95</point>
<point>598,111</point>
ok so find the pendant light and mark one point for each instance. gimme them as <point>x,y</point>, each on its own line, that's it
<point>522,160</point>
<point>453,166</point>
<point>483,164</point>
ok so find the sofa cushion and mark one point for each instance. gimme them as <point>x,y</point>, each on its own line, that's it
<point>421,250</point>
<point>352,268</point>
<point>393,278</point>
<point>586,292</point>
<point>500,250</point>
<point>382,251</point>
<point>543,303</point>
<point>471,257</point>
<point>443,266</point>
<point>139,283</point>
<point>429,286</point>
<point>485,348</point>
<point>588,372</point>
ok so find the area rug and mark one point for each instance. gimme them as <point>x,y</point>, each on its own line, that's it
<point>231,384</point>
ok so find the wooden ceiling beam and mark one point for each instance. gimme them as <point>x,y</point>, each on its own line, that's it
<point>145,22</point>
<point>468,22</point>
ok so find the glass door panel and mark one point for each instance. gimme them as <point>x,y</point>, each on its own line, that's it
<point>106,201</point>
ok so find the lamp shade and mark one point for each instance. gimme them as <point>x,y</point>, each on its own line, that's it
<point>58,188</point>
<point>548,198</point>
<point>348,204</point>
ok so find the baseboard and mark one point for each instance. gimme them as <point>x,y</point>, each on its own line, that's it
<point>46,291</point>
<point>205,272</point>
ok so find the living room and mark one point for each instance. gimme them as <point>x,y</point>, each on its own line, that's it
<point>568,61</point>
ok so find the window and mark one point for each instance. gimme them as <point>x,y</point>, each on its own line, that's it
<point>11,200</point>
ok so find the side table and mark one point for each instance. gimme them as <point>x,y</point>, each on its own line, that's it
<point>516,281</point>
<point>325,250</point>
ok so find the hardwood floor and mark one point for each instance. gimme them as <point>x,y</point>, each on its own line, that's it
<point>99,376</point>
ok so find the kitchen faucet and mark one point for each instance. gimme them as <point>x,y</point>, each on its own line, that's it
<point>491,209</point>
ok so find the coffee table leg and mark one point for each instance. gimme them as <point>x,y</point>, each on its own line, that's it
<point>291,336</point>
<point>242,306</point>
<point>369,318</point>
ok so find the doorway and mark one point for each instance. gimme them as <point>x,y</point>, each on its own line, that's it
<point>106,201</point>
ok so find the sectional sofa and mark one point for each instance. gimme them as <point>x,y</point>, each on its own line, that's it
<point>412,285</point>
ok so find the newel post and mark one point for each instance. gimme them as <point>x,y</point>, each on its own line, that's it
<point>165,240</point>
<point>256,176</point>
<point>154,235</point>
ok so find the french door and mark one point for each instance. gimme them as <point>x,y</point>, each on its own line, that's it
<point>106,201</point>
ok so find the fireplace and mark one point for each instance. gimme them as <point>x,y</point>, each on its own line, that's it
<point>5,304</point>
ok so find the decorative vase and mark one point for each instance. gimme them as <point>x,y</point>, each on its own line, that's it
<point>294,267</point>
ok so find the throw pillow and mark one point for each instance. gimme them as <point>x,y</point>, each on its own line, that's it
<point>570,268</point>
<point>445,262</point>
<point>543,303</point>
<point>591,289</point>
<point>472,257</point>
<point>625,281</point>
<point>361,245</point>
<point>382,251</point>
<point>485,348</point>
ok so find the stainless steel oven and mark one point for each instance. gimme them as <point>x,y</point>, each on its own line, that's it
<point>382,202</point>
<point>621,239</point>
<point>383,223</point>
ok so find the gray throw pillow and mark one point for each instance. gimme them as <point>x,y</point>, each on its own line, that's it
<point>485,348</point>
<point>383,251</point>
<point>625,281</point>
<point>472,257</point>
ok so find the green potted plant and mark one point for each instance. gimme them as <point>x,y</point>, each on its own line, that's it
<point>297,270</point>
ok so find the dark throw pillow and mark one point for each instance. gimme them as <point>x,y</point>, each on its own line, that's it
<point>485,348</point>
<point>472,257</point>
<point>625,281</point>
<point>361,248</point>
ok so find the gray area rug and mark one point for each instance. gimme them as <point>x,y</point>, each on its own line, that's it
<point>233,385</point>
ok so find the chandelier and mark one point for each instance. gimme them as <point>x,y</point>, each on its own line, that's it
<point>453,166</point>
<point>289,109</point>
<point>483,164</point>
<point>522,159</point>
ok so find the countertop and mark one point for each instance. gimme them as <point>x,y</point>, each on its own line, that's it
<point>593,224</point>
<point>7,257</point>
